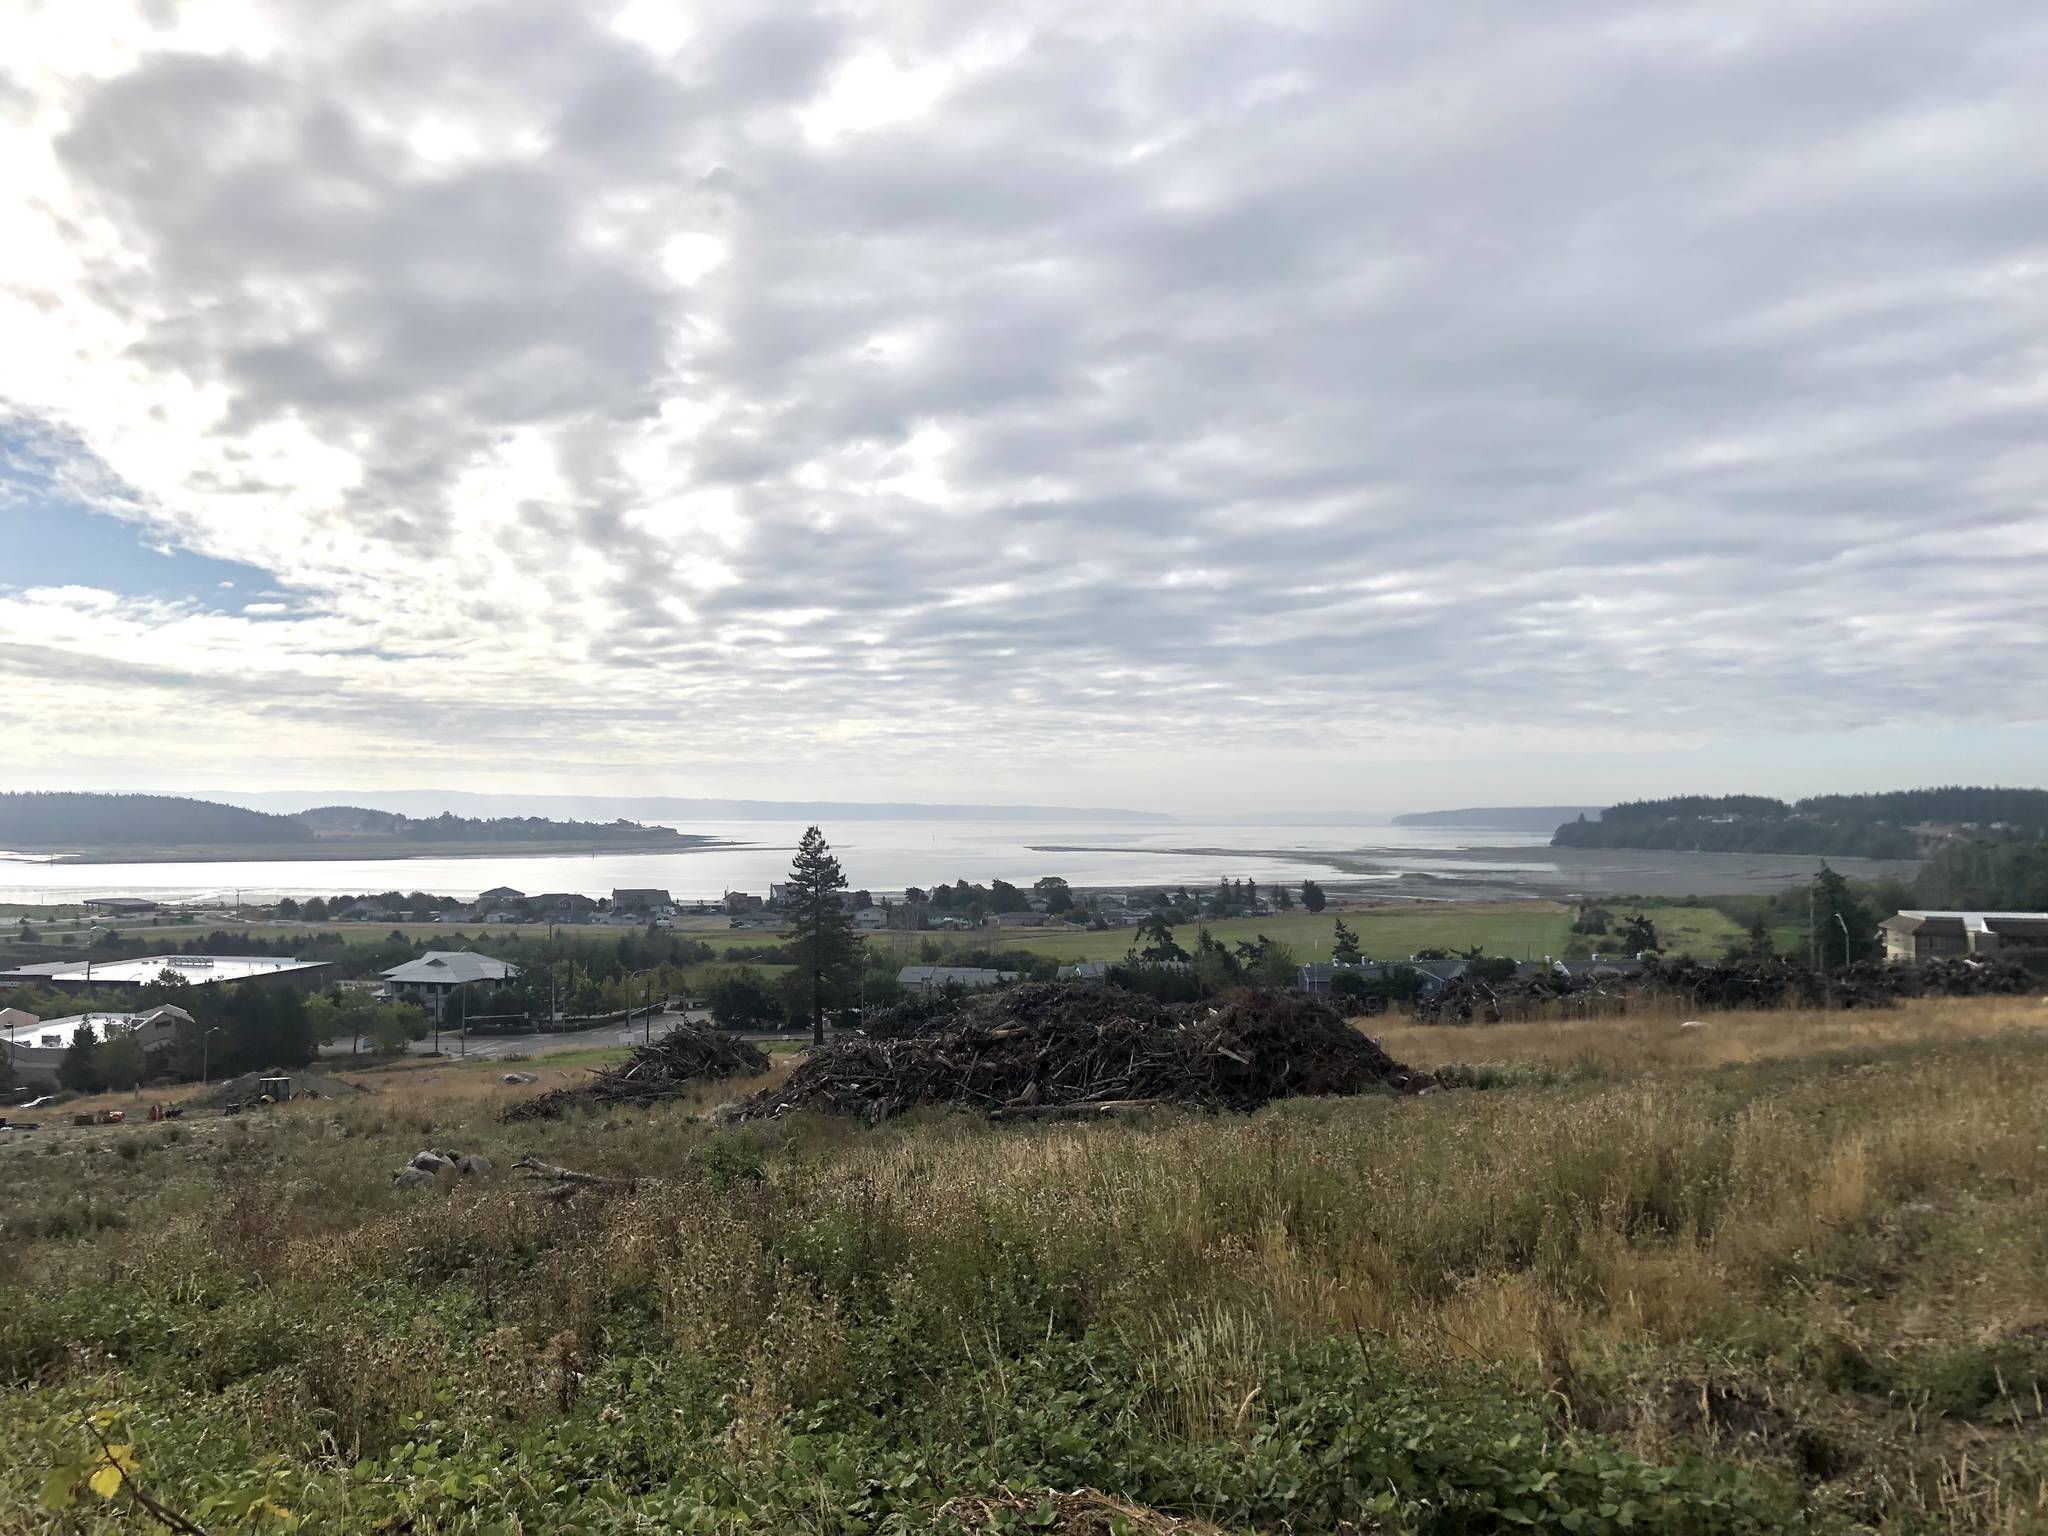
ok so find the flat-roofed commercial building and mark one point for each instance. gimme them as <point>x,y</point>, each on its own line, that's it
<point>36,1051</point>
<point>198,970</point>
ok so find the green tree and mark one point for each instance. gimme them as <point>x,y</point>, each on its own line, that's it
<point>824,948</point>
<point>1312,896</point>
<point>1267,962</point>
<point>80,1069</point>
<point>314,911</point>
<point>741,1000</point>
<point>1344,947</point>
<point>1844,930</point>
<point>1059,897</point>
<point>1283,899</point>
<point>1759,944</point>
<point>1639,936</point>
<point>1156,945</point>
<point>389,1027</point>
<point>122,1060</point>
<point>1216,969</point>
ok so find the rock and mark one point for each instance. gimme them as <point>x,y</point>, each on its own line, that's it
<point>514,1079</point>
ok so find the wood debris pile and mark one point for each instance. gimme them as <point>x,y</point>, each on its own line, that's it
<point>1757,984</point>
<point>1047,1050</point>
<point>660,1070</point>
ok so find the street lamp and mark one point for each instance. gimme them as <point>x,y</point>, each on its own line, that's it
<point>647,997</point>
<point>206,1056</point>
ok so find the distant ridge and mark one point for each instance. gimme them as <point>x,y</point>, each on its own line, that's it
<point>1502,818</point>
<point>83,824</point>
<point>432,802</point>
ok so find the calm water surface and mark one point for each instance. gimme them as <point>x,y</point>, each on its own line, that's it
<point>877,855</point>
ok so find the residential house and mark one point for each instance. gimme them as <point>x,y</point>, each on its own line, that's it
<point>1915,936</point>
<point>500,896</point>
<point>1315,979</point>
<point>564,907</point>
<point>871,919</point>
<point>647,903</point>
<point>740,901</point>
<point>434,980</point>
<point>17,1018</point>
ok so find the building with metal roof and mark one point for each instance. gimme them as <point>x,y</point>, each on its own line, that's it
<point>1910,936</point>
<point>36,1051</point>
<point>436,977</point>
<point>196,970</point>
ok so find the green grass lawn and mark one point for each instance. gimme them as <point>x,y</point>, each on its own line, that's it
<point>1523,929</point>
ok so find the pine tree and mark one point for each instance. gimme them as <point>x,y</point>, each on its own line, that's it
<point>80,1069</point>
<point>1344,950</point>
<point>1312,896</point>
<point>825,948</point>
<point>1157,944</point>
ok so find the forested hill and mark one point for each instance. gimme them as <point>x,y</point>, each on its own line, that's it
<point>1899,824</point>
<point>62,820</point>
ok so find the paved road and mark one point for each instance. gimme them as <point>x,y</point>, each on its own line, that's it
<point>494,1047</point>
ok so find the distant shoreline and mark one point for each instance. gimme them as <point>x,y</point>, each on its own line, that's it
<point>1538,871</point>
<point>340,850</point>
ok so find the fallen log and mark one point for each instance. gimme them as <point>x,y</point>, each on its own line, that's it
<point>566,1181</point>
<point>1091,1111</point>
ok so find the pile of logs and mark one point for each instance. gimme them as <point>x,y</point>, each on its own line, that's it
<point>1758,984</point>
<point>656,1072</point>
<point>1049,1051</point>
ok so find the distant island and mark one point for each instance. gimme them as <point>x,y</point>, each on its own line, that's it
<point>1501,818</point>
<point>1898,824</point>
<point>604,808</point>
<point>78,828</point>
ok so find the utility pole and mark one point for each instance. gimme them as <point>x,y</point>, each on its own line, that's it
<point>1843,924</point>
<point>1812,932</point>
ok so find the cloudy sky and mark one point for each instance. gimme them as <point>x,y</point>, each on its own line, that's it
<point>1314,403</point>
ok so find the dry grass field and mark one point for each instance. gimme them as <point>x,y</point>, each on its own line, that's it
<point>1783,1272</point>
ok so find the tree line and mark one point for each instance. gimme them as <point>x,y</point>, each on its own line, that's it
<point>1878,826</point>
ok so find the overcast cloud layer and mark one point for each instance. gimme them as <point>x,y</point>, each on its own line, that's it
<point>1188,404</point>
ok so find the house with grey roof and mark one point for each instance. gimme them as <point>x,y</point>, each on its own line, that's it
<point>439,975</point>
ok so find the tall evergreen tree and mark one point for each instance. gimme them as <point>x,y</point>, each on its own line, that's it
<point>80,1069</point>
<point>1344,950</point>
<point>1843,928</point>
<point>1312,896</point>
<point>1156,942</point>
<point>824,948</point>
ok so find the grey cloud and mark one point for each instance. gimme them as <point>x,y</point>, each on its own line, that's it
<point>1377,368</point>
